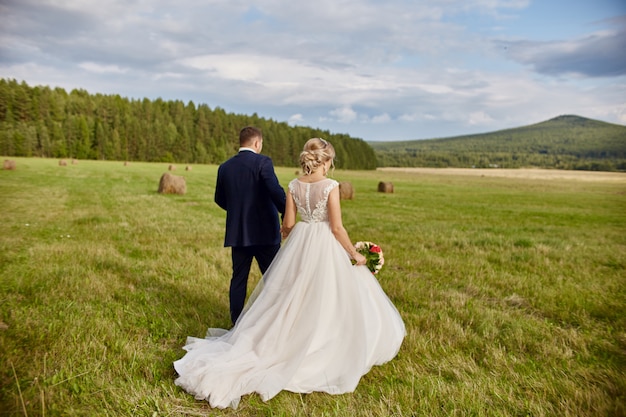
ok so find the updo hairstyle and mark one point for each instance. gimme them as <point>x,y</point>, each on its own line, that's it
<point>316,152</point>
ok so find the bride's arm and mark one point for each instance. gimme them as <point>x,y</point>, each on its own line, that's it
<point>289,220</point>
<point>336,225</point>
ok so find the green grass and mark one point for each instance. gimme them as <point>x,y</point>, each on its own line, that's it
<point>513,293</point>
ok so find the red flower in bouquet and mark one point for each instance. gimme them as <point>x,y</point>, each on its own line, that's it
<point>373,255</point>
<point>375,249</point>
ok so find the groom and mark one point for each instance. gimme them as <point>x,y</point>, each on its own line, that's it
<point>247,188</point>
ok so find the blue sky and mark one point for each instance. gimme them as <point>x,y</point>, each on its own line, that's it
<point>377,70</point>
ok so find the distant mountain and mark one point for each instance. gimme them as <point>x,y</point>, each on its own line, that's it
<point>565,142</point>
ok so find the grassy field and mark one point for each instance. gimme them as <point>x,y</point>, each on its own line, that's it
<point>513,291</point>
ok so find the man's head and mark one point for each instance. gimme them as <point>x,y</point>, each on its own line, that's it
<point>251,137</point>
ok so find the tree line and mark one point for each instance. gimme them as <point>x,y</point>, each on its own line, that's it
<point>565,142</point>
<point>47,122</point>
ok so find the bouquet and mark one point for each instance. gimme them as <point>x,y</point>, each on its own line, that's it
<point>373,254</point>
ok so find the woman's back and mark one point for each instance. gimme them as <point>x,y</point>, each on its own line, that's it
<point>311,198</point>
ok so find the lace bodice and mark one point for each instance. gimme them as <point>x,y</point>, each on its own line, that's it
<point>312,198</point>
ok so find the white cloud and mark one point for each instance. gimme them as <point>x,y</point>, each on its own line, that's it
<point>479,118</point>
<point>343,114</point>
<point>381,118</point>
<point>101,69</point>
<point>296,119</point>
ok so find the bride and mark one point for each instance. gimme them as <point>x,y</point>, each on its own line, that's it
<point>315,322</point>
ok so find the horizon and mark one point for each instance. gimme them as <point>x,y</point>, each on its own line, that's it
<point>367,141</point>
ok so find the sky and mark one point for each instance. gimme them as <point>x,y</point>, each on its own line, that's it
<point>379,70</point>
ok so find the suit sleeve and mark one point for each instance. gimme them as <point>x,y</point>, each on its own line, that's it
<point>277,193</point>
<point>220,197</point>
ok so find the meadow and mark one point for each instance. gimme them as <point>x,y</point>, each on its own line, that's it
<point>513,292</point>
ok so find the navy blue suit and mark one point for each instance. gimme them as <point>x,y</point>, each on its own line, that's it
<point>247,188</point>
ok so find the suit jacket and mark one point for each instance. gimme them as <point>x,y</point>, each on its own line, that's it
<point>247,188</point>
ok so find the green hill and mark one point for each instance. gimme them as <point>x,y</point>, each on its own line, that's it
<point>565,142</point>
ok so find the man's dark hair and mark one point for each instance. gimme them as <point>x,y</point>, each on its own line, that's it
<point>248,134</point>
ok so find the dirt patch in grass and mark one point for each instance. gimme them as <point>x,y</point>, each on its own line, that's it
<point>529,173</point>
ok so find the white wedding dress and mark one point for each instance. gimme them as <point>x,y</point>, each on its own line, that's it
<point>314,322</point>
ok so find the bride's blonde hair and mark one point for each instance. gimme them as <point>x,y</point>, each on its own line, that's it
<point>316,152</point>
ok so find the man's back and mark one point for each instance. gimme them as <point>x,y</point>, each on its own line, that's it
<point>247,188</point>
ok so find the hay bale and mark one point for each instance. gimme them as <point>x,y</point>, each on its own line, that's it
<point>188,168</point>
<point>62,163</point>
<point>8,165</point>
<point>172,184</point>
<point>126,163</point>
<point>346,191</point>
<point>74,161</point>
<point>385,187</point>
<point>172,167</point>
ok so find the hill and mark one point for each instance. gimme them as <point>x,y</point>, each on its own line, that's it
<point>565,142</point>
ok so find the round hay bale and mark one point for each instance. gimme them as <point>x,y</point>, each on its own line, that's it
<point>172,167</point>
<point>8,165</point>
<point>62,163</point>
<point>172,184</point>
<point>346,191</point>
<point>385,187</point>
<point>188,168</point>
<point>74,161</point>
<point>126,163</point>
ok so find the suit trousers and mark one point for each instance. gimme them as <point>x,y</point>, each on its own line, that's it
<point>242,262</point>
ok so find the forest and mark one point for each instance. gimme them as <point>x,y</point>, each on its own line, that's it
<point>47,122</point>
<point>565,142</point>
